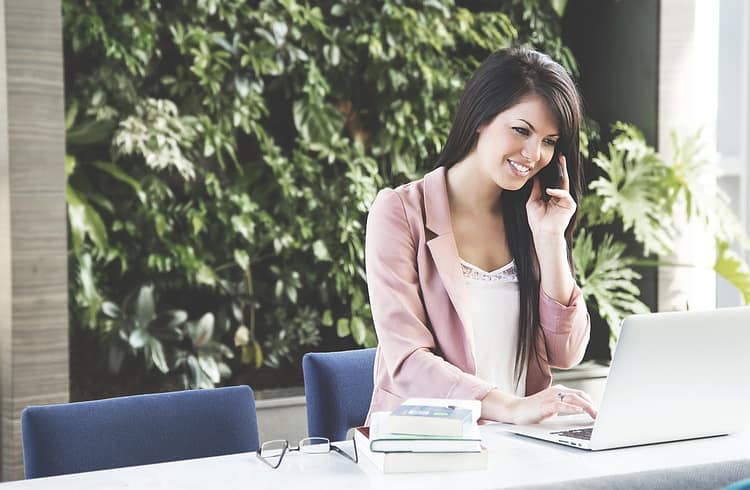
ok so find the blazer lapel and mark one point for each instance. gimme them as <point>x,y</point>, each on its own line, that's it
<point>444,251</point>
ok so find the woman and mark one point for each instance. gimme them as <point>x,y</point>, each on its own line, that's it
<point>446,326</point>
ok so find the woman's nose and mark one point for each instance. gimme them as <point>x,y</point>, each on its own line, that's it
<point>532,150</point>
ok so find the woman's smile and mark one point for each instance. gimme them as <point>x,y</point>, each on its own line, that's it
<point>519,169</point>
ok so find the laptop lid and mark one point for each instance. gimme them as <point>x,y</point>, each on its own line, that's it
<point>674,376</point>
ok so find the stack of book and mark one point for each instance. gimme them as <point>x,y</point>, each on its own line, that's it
<point>424,434</point>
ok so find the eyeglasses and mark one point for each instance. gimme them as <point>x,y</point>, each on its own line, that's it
<point>272,452</point>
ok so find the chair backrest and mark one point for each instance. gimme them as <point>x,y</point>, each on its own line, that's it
<point>134,430</point>
<point>338,389</point>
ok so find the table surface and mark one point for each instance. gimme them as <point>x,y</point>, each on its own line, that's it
<point>513,461</point>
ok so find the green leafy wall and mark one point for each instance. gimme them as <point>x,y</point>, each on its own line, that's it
<point>222,156</point>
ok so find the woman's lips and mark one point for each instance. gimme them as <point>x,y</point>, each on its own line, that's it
<point>518,169</point>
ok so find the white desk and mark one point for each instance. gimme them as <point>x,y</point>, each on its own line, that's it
<point>513,461</point>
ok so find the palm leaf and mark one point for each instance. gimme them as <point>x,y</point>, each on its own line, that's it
<point>732,268</point>
<point>637,187</point>
<point>696,176</point>
<point>84,221</point>
<point>606,278</point>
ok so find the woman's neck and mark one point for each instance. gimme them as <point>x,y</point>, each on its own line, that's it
<point>470,191</point>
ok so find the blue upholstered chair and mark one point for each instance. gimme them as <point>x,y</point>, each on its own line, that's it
<point>134,430</point>
<point>338,389</point>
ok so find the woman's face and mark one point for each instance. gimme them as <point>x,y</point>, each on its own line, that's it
<point>517,143</point>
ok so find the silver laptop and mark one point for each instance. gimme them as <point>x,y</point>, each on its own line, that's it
<point>674,376</point>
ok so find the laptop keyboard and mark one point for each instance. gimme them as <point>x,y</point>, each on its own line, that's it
<point>576,433</point>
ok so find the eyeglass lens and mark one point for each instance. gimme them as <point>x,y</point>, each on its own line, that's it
<point>314,445</point>
<point>272,452</point>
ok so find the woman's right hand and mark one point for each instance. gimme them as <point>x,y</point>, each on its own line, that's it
<point>557,399</point>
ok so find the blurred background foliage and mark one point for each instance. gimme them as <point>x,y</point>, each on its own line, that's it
<point>222,155</point>
<point>639,196</point>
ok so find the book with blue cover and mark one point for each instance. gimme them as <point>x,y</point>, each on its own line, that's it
<point>434,417</point>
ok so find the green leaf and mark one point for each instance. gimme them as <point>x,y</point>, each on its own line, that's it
<point>291,293</point>
<point>70,165</point>
<point>358,329</point>
<point>224,44</point>
<point>110,309</point>
<point>138,338</point>
<point>224,370</point>
<point>209,367</point>
<point>257,354</point>
<point>242,259</point>
<point>198,222</point>
<point>157,355</point>
<point>242,85</point>
<point>85,222</point>
<point>732,268</point>
<point>90,132</point>
<point>370,339</point>
<point>205,275</point>
<point>145,310</point>
<point>246,354</point>
<point>321,251</point>
<point>696,176</point>
<point>244,226</point>
<point>639,187</point>
<point>195,371</point>
<point>70,114</point>
<point>116,172</point>
<point>606,276</point>
<point>115,357</point>
<point>88,296</point>
<point>327,319</point>
<point>342,327</point>
<point>204,330</point>
<point>559,6</point>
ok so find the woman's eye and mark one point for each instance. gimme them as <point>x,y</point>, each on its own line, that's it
<point>550,142</point>
<point>521,131</point>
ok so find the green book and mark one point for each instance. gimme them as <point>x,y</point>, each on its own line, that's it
<point>381,440</point>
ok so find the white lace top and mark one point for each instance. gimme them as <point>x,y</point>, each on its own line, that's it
<point>495,309</point>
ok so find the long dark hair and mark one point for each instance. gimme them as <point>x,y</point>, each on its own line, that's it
<point>504,78</point>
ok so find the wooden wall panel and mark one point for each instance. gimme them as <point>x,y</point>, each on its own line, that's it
<point>33,265</point>
<point>6,278</point>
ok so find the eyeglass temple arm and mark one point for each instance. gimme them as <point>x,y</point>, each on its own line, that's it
<point>344,453</point>
<point>281,457</point>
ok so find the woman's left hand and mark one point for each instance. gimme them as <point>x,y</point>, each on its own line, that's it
<point>553,216</point>
<point>554,400</point>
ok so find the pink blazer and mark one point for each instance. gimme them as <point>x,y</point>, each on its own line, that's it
<point>420,310</point>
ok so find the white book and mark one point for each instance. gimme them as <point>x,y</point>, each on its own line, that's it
<point>399,462</point>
